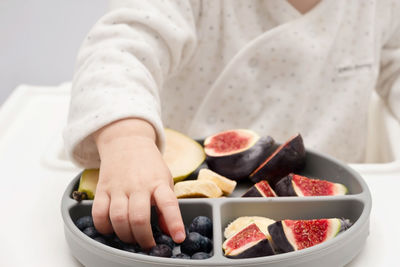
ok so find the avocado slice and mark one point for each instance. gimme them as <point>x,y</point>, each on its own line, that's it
<point>182,154</point>
<point>87,185</point>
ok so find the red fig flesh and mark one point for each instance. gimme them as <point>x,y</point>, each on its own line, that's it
<point>297,185</point>
<point>260,189</point>
<point>248,243</point>
<point>236,153</point>
<point>226,143</point>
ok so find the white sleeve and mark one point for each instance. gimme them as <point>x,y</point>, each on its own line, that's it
<point>121,67</point>
<point>388,86</point>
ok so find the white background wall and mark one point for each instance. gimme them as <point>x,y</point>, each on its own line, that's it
<point>39,39</point>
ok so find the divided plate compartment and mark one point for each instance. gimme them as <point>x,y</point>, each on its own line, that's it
<point>355,206</point>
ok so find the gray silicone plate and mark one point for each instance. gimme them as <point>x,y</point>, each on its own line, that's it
<point>338,251</point>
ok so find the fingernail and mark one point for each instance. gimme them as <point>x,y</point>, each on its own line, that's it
<point>180,236</point>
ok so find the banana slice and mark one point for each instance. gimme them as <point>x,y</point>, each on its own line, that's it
<point>196,188</point>
<point>241,222</point>
<point>226,185</point>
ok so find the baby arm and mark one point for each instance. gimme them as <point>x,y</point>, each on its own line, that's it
<point>120,69</point>
<point>132,175</point>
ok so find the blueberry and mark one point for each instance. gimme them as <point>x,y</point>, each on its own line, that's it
<point>84,222</point>
<point>114,241</point>
<point>156,230</point>
<point>164,239</point>
<point>206,244</point>
<point>128,247</point>
<point>200,256</point>
<point>187,230</point>
<point>91,232</point>
<point>137,247</point>
<point>202,225</point>
<point>161,250</point>
<point>192,243</point>
<point>101,240</point>
<point>181,256</point>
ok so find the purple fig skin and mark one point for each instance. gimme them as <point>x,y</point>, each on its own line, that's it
<point>284,187</point>
<point>240,165</point>
<point>252,192</point>
<point>345,224</point>
<point>261,249</point>
<point>281,244</point>
<point>288,158</point>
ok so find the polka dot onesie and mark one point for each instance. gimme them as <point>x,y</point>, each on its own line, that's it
<point>205,66</point>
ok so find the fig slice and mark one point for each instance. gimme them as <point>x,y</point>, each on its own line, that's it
<point>196,188</point>
<point>260,189</point>
<point>291,235</point>
<point>226,185</point>
<point>236,153</point>
<point>287,158</point>
<point>182,154</point>
<point>241,222</point>
<point>297,185</point>
<point>249,242</point>
<point>87,185</point>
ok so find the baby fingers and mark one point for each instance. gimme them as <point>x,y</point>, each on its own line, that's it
<point>139,219</point>
<point>168,206</point>
<point>100,213</point>
<point>119,217</point>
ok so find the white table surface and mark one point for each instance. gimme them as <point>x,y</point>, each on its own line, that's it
<point>34,175</point>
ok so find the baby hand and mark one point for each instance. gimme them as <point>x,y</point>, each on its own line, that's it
<point>133,176</point>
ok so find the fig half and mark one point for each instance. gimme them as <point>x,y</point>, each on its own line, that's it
<point>291,235</point>
<point>249,242</point>
<point>297,185</point>
<point>260,189</point>
<point>287,158</point>
<point>236,153</point>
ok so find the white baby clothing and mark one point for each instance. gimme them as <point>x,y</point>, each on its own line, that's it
<point>204,66</point>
